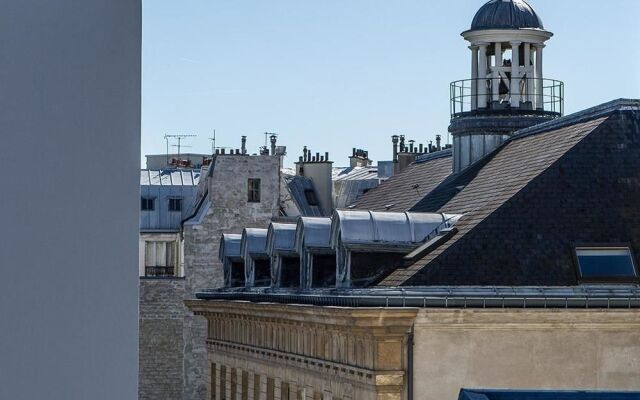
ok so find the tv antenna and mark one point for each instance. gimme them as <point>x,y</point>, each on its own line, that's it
<point>213,144</point>
<point>179,145</point>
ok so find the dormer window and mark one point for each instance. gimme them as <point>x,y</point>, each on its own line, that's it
<point>598,264</point>
<point>147,203</point>
<point>175,204</point>
<point>311,197</point>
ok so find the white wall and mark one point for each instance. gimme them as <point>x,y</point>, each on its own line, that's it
<point>70,98</point>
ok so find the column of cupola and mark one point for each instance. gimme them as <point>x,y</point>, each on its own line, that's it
<point>525,83</point>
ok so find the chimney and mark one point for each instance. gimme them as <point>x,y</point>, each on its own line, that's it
<point>360,158</point>
<point>243,140</point>
<point>411,142</point>
<point>319,170</point>
<point>438,142</point>
<point>404,160</point>
<point>402,149</point>
<point>273,138</point>
<point>394,140</point>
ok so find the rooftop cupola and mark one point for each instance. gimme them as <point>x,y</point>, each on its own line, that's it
<point>507,90</point>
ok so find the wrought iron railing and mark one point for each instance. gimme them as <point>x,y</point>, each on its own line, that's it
<point>159,271</point>
<point>540,95</point>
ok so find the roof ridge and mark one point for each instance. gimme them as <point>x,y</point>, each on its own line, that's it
<point>578,117</point>
<point>433,156</point>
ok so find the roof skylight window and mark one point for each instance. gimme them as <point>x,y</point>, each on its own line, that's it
<point>606,264</point>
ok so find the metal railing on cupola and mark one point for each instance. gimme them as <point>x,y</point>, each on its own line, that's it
<point>491,95</point>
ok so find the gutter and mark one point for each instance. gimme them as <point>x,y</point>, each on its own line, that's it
<point>628,299</point>
<point>195,211</point>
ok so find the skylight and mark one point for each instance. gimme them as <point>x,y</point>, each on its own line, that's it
<point>606,263</point>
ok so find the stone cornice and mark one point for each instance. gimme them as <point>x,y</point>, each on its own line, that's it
<point>387,319</point>
<point>530,319</point>
<point>507,35</point>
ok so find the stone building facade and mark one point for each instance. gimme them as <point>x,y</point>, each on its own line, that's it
<point>224,206</point>
<point>272,352</point>
<point>281,352</point>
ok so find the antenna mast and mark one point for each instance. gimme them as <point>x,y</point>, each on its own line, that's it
<point>179,137</point>
<point>213,143</point>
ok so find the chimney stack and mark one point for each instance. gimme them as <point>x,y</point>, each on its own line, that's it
<point>394,140</point>
<point>438,142</point>
<point>319,169</point>
<point>360,158</point>
<point>243,140</point>
<point>273,138</point>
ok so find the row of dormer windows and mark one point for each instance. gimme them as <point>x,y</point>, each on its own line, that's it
<point>149,204</point>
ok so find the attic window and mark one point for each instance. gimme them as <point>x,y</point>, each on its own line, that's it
<point>175,204</point>
<point>606,264</point>
<point>146,203</point>
<point>311,197</point>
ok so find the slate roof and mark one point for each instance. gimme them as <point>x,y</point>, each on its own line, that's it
<point>402,191</point>
<point>516,200</point>
<point>297,185</point>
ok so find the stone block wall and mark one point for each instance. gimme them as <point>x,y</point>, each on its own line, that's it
<point>229,212</point>
<point>161,344</point>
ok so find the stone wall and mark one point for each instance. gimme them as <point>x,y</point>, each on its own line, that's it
<point>230,212</point>
<point>532,349</point>
<point>305,352</point>
<point>161,345</point>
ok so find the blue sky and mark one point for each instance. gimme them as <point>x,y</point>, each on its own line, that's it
<point>334,75</point>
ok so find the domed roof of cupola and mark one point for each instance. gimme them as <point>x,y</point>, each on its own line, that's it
<point>506,14</point>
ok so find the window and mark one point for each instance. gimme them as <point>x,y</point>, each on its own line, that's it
<point>160,258</point>
<point>223,382</point>
<point>606,263</point>
<point>175,204</point>
<point>271,388</point>
<point>254,190</point>
<point>213,382</point>
<point>234,384</point>
<point>256,386</point>
<point>311,197</point>
<point>147,203</point>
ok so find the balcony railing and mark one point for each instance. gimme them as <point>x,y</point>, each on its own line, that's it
<point>535,95</point>
<point>159,271</point>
